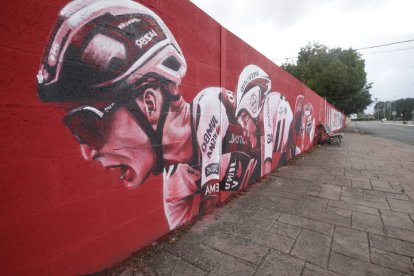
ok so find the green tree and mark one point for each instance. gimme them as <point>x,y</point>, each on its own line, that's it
<point>337,74</point>
<point>403,108</point>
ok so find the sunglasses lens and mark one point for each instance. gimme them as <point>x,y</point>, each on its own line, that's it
<point>87,126</point>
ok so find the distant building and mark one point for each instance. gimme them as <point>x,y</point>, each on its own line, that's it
<point>362,117</point>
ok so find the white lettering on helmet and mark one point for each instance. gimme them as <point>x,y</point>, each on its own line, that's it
<point>145,39</point>
<point>127,23</point>
<point>108,108</point>
<point>54,49</point>
<point>249,78</point>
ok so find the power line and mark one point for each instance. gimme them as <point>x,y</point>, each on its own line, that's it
<point>285,58</point>
<point>396,50</point>
<point>369,47</point>
<point>387,44</point>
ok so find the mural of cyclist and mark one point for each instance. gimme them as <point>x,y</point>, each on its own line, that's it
<point>304,125</point>
<point>117,68</point>
<point>265,117</point>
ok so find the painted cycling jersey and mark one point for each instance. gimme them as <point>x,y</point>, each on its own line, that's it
<point>190,187</point>
<point>209,125</point>
<point>183,198</point>
<point>277,118</point>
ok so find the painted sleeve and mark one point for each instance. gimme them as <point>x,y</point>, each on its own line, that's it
<point>270,111</point>
<point>286,115</point>
<point>181,199</point>
<point>211,125</point>
<point>236,169</point>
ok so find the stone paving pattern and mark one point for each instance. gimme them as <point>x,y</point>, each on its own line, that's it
<point>339,210</point>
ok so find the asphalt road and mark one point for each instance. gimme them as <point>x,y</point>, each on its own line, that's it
<point>397,132</point>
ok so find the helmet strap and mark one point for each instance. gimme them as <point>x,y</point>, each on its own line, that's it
<point>154,136</point>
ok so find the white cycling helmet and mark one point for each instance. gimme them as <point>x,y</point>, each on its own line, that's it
<point>252,87</point>
<point>99,48</point>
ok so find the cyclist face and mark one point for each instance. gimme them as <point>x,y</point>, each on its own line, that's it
<point>119,135</point>
<point>126,148</point>
<point>112,136</point>
<point>249,127</point>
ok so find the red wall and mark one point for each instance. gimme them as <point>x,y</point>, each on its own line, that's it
<point>61,214</point>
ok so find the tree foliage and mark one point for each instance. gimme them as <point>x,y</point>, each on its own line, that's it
<point>337,74</point>
<point>403,108</point>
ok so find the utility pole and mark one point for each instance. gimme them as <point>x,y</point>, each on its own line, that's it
<point>395,107</point>
<point>389,111</point>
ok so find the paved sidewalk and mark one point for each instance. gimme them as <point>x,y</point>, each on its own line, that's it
<point>340,210</point>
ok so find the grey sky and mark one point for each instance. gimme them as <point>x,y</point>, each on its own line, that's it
<point>279,28</point>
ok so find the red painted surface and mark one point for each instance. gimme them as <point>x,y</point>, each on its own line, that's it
<point>63,215</point>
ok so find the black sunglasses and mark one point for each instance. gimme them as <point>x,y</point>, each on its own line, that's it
<point>89,124</point>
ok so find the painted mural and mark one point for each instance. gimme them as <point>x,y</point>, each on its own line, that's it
<point>117,69</point>
<point>145,114</point>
